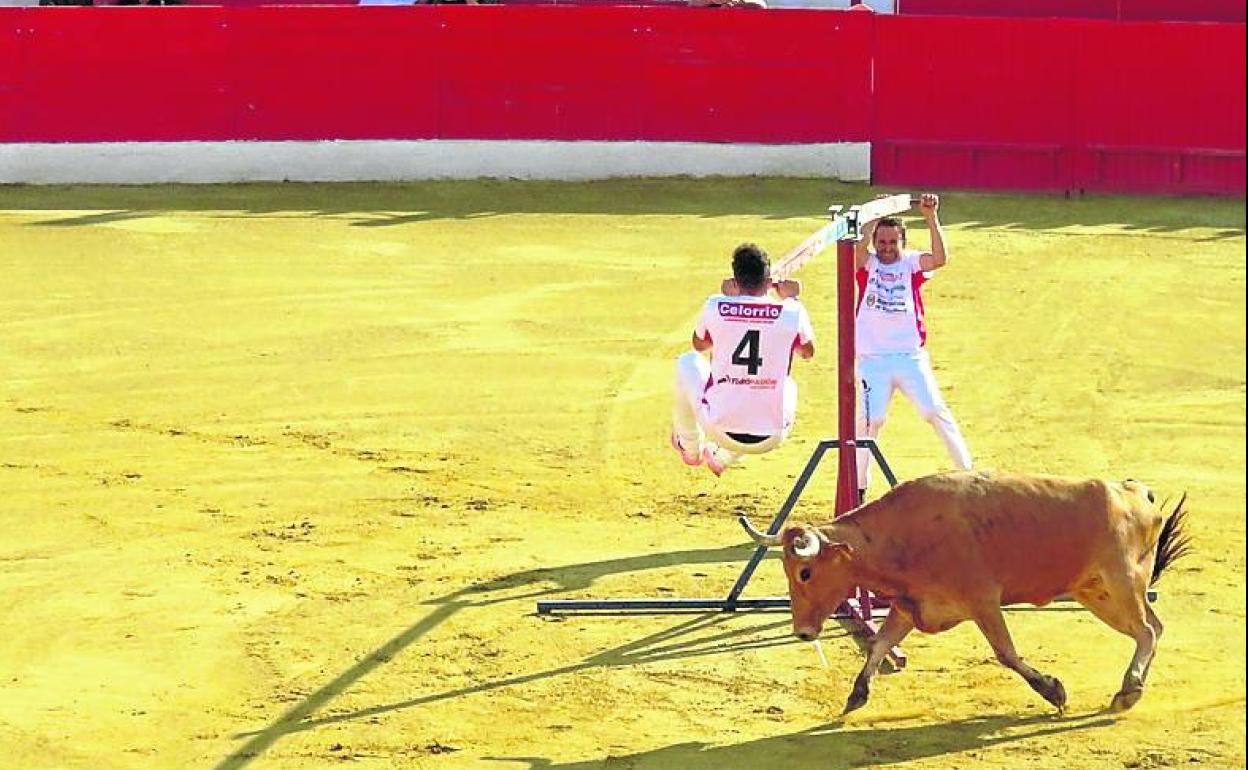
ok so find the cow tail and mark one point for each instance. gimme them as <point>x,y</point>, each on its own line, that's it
<point>1174,542</point>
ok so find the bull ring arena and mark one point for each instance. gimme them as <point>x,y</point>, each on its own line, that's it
<point>338,353</point>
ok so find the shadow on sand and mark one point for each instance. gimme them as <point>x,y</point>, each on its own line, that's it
<point>671,644</point>
<point>389,204</point>
<point>831,747</point>
<point>695,635</point>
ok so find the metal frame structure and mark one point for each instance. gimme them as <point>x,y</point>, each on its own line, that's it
<point>733,602</point>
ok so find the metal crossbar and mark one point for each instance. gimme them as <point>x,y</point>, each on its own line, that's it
<point>841,227</point>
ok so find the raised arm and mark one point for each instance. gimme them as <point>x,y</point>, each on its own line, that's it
<point>938,257</point>
<point>862,246</point>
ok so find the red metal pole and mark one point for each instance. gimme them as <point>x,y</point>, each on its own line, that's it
<point>846,379</point>
<point>860,606</point>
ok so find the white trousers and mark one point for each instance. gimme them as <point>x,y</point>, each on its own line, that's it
<point>878,377</point>
<point>689,418</point>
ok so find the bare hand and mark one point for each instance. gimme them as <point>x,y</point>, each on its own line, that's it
<point>729,287</point>
<point>788,288</point>
<point>928,204</point>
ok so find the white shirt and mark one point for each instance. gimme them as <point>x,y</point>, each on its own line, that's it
<point>753,339</point>
<point>890,306</point>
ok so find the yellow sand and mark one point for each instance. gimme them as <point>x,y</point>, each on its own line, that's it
<point>285,468</point>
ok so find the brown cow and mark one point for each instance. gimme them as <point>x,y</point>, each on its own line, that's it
<point>959,546</point>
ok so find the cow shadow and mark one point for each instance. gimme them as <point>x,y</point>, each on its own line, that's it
<point>832,747</point>
<point>696,635</point>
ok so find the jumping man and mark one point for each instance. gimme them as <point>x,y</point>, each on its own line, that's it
<point>743,400</point>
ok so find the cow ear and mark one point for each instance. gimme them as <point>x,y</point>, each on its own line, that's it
<point>840,551</point>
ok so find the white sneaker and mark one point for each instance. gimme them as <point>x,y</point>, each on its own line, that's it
<point>689,458</point>
<point>711,458</point>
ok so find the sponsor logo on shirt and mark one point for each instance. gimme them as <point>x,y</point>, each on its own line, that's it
<point>887,294</point>
<point>748,311</point>
<point>754,383</point>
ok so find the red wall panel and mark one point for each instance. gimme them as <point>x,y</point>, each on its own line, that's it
<point>1154,112</point>
<point>973,102</point>
<point>564,76</point>
<point>973,79</point>
<point>658,74</point>
<point>118,74</point>
<point>799,77</point>
<point>1160,85</point>
<point>1059,104</point>
<point>320,73</point>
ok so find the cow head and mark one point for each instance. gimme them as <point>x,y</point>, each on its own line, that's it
<point>819,571</point>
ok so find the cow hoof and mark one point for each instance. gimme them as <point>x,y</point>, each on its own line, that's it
<point>1125,700</point>
<point>1051,689</point>
<point>857,699</point>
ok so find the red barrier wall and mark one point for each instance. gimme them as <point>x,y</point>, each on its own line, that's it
<point>972,102</point>
<point>1059,104</point>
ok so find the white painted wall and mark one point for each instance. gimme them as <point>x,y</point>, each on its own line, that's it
<point>334,161</point>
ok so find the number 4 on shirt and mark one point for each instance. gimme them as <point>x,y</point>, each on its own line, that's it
<point>746,353</point>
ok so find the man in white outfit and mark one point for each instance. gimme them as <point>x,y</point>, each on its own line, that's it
<point>743,400</point>
<point>891,333</point>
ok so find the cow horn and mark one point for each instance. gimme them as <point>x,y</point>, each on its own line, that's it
<point>806,545</point>
<point>756,536</point>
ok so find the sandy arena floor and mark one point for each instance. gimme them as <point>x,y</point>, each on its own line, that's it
<point>285,469</point>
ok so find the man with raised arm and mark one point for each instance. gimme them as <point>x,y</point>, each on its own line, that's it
<point>891,333</point>
<point>742,401</point>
